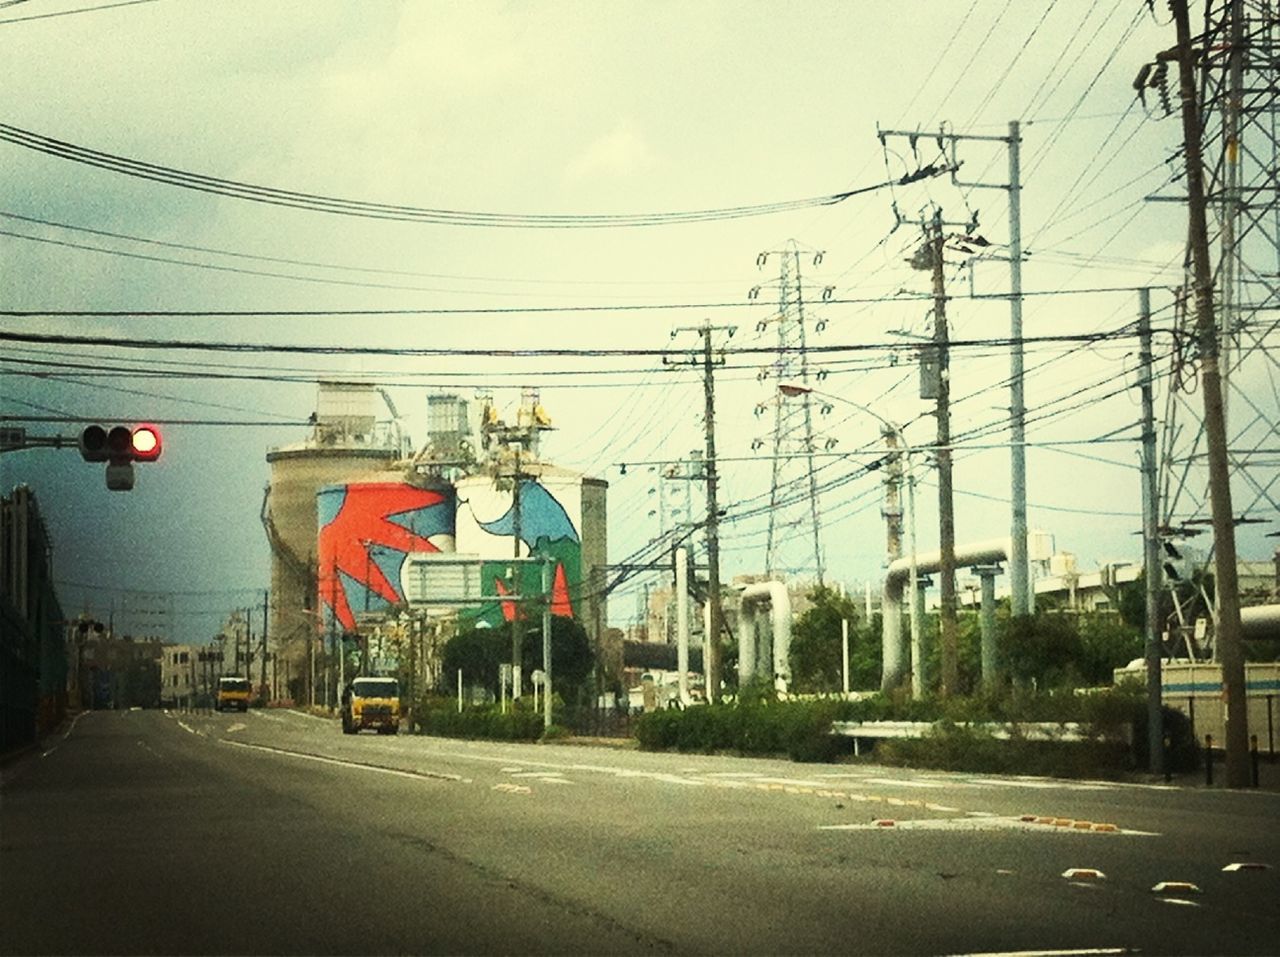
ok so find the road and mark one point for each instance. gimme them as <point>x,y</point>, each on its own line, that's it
<point>272,833</point>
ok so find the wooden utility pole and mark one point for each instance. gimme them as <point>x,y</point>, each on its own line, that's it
<point>713,519</point>
<point>712,662</point>
<point>946,512</point>
<point>1226,584</point>
<point>1150,543</point>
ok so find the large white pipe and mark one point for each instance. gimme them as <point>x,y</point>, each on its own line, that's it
<point>1260,621</point>
<point>895,582</point>
<point>780,607</point>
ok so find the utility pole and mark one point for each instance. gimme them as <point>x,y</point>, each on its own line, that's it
<point>265,596</point>
<point>1150,542</point>
<point>713,519</point>
<point>546,643</point>
<point>711,666</point>
<point>1019,566</point>
<point>517,639</point>
<point>1226,588</point>
<point>946,513</point>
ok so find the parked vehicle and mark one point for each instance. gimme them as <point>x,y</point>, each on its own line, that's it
<point>371,703</point>
<point>233,693</point>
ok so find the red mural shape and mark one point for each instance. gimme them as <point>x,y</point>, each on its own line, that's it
<point>561,605</point>
<point>363,522</point>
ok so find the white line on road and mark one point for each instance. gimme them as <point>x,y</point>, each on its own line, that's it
<point>356,765</point>
<point>1085,952</point>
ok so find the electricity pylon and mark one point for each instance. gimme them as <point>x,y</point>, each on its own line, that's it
<point>793,491</point>
<point>1236,55</point>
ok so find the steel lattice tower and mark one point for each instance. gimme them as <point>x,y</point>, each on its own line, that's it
<point>1239,56</point>
<point>793,491</point>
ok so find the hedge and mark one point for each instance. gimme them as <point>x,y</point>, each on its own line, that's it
<point>490,722</point>
<point>1114,721</point>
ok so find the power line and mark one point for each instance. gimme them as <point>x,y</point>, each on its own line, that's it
<point>66,13</point>
<point>313,202</point>
<point>258,348</point>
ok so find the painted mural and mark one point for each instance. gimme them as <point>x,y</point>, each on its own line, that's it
<point>366,532</point>
<point>549,526</point>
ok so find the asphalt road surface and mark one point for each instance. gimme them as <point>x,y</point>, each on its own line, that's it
<point>272,833</point>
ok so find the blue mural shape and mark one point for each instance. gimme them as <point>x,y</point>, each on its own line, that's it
<point>542,518</point>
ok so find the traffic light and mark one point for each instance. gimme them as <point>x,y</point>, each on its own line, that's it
<point>120,443</point>
<point>120,446</point>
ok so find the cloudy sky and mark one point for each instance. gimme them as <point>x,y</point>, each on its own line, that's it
<point>574,109</point>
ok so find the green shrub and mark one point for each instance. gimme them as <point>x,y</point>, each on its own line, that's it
<point>491,723</point>
<point>958,748</point>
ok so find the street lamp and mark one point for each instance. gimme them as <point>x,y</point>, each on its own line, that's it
<point>792,390</point>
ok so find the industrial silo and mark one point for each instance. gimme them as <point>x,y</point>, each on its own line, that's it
<point>347,445</point>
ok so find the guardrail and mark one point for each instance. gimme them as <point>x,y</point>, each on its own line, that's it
<point>1027,730</point>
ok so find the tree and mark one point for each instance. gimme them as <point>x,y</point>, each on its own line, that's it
<point>477,653</point>
<point>816,645</point>
<point>1044,648</point>
<point>1107,642</point>
<point>572,659</point>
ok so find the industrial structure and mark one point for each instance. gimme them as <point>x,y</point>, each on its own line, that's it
<point>377,550</point>
<point>794,523</point>
<point>1239,107</point>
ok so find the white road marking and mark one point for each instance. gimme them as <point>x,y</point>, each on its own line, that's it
<point>1084,952</point>
<point>1039,784</point>
<point>355,765</point>
<point>904,783</point>
<point>236,727</point>
<point>186,727</point>
<point>263,716</point>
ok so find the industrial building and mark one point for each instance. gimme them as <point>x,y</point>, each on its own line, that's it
<point>371,540</point>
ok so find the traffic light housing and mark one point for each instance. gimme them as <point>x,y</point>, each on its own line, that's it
<point>119,444</point>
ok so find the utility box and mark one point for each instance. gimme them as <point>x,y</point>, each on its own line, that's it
<point>930,372</point>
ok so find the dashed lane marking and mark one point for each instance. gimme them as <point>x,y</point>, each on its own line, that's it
<point>512,788</point>
<point>1235,868</point>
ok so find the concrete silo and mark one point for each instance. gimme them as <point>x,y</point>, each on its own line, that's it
<point>347,445</point>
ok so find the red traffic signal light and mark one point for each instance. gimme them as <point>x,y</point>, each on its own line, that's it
<point>120,444</point>
<point>145,443</point>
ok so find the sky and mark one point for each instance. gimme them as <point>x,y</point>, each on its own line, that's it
<point>584,109</point>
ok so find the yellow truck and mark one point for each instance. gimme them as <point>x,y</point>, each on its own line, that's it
<point>371,703</point>
<point>233,693</point>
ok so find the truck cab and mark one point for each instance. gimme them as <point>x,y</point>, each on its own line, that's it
<point>371,703</point>
<point>233,693</point>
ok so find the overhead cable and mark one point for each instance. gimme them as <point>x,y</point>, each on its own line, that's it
<point>313,202</point>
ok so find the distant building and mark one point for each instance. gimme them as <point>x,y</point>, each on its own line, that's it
<point>179,678</point>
